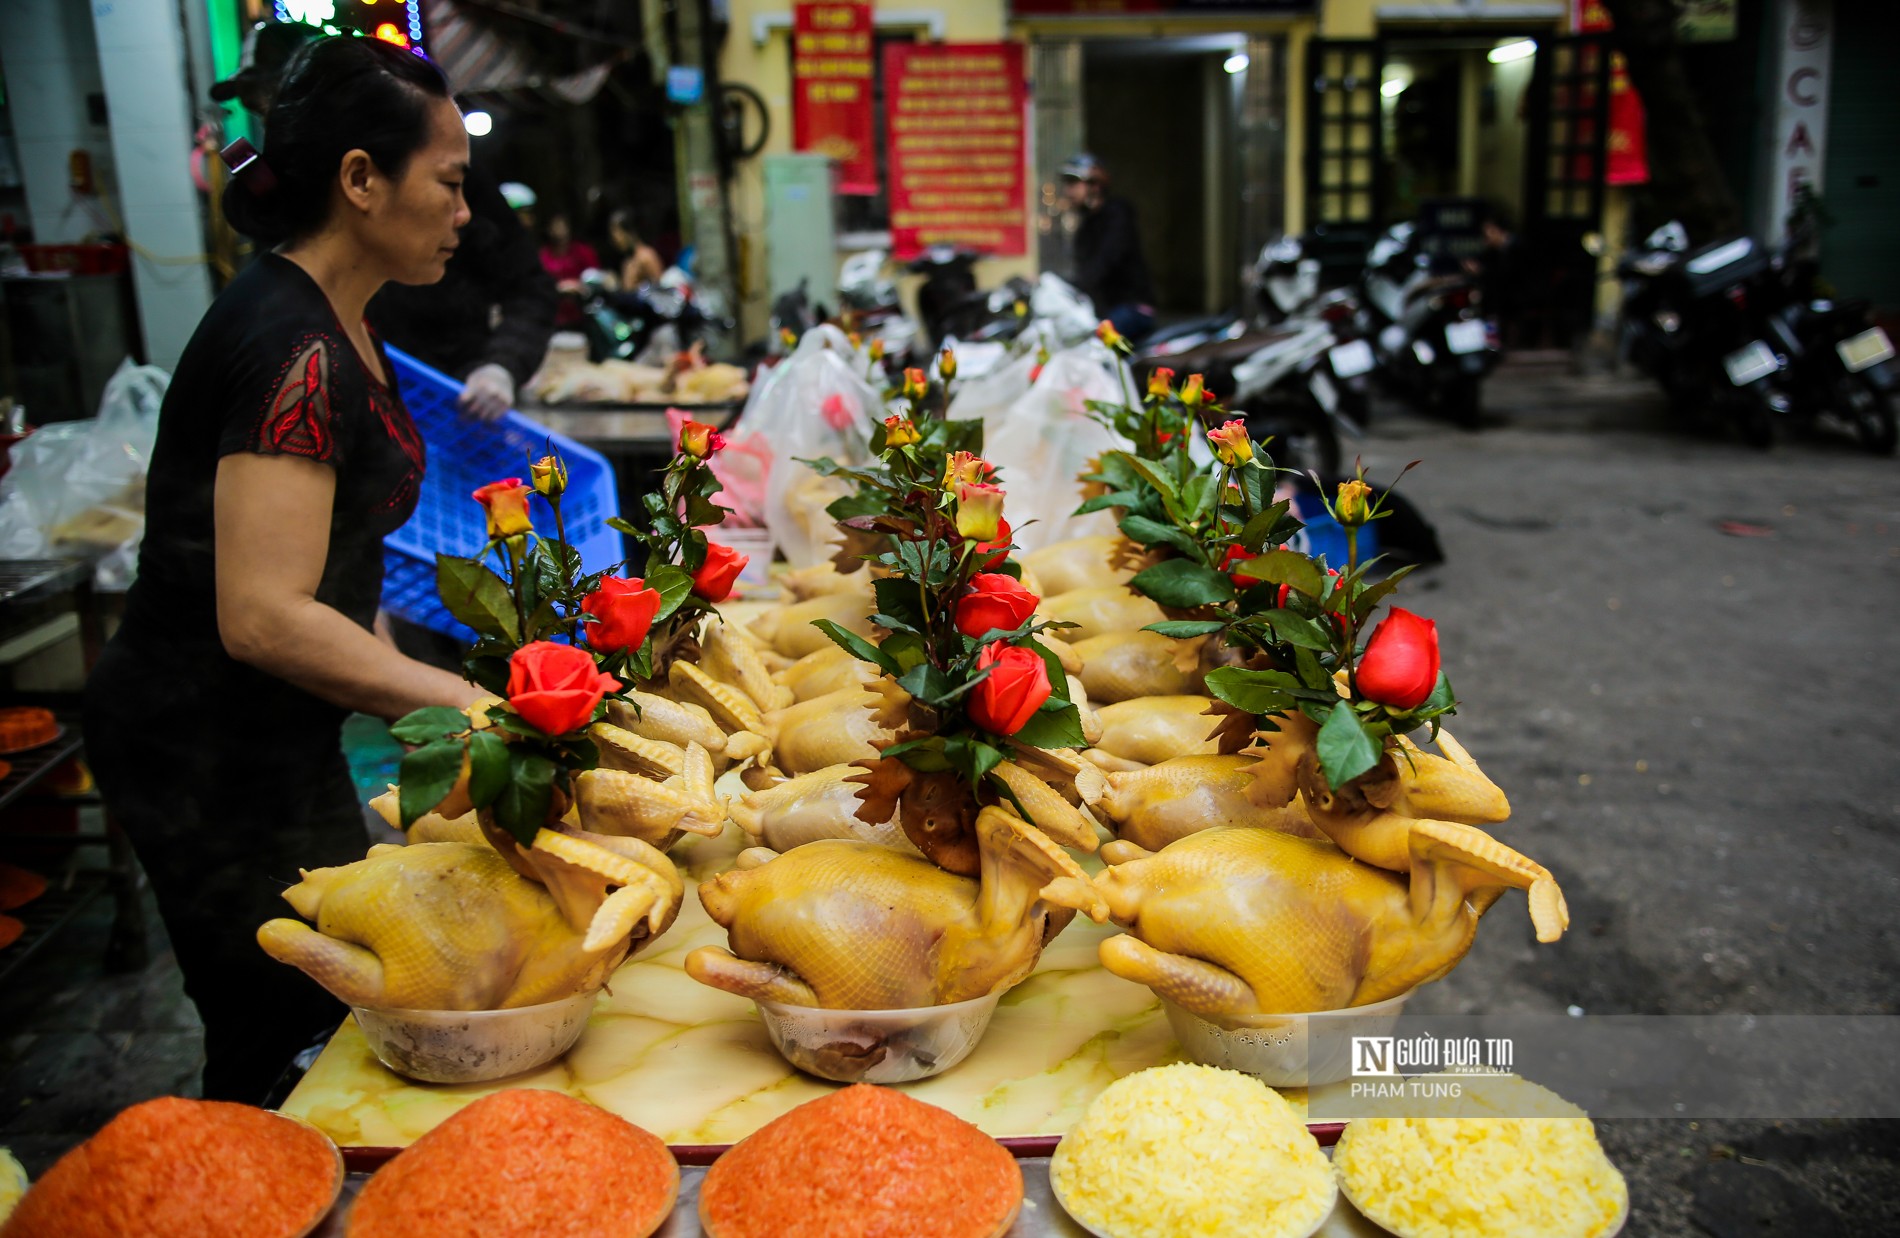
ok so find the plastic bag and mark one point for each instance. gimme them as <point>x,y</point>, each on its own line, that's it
<point>1042,436</point>
<point>78,487</point>
<point>741,469</point>
<point>816,402</point>
<point>1068,311</point>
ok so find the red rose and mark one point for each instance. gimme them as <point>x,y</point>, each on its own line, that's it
<point>713,581</point>
<point>620,613</point>
<point>1016,687</point>
<point>556,687</point>
<point>1238,554</point>
<point>506,502</point>
<point>997,548</point>
<point>994,601</point>
<point>1400,665</point>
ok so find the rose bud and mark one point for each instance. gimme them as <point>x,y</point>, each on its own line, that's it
<point>621,612</point>
<point>550,476</point>
<point>556,687</point>
<point>1399,667</point>
<point>506,502</point>
<point>966,466</point>
<point>979,509</point>
<point>900,431</point>
<point>996,549</point>
<point>857,341</point>
<point>877,352</point>
<point>699,440</point>
<point>1105,331</point>
<point>1161,382</point>
<point>1231,443</point>
<point>787,337</point>
<point>994,601</point>
<point>947,364</point>
<point>1349,506</point>
<point>916,386</point>
<point>1191,391</point>
<point>713,581</point>
<point>1015,688</point>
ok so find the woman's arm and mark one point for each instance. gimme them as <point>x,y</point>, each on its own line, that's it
<point>273,534</point>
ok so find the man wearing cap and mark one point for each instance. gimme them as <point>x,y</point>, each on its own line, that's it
<point>487,322</point>
<point>1109,266</point>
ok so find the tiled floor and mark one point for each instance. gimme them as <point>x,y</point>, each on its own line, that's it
<point>78,1044</point>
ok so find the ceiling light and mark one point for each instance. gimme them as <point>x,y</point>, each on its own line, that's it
<point>1393,88</point>
<point>478,124</point>
<point>1236,63</point>
<point>1516,49</point>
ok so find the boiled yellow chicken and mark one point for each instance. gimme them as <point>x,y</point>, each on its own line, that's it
<point>730,656</point>
<point>1372,817</point>
<point>454,926</point>
<point>789,630</point>
<point>827,670</point>
<point>669,721</point>
<point>1121,666</point>
<point>658,811</point>
<point>1079,563</point>
<point>804,583</point>
<point>1099,611</point>
<point>851,724</point>
<point>1153,729</point>
<point>820,804</point>
<point>1234,922</point>
<point>1153,807</point>
<point>857,926</point>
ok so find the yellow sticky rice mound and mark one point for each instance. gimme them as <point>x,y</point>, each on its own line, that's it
<point>1189,1151</point>
<point>1484,1177</point>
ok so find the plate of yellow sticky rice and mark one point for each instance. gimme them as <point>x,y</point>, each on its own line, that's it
<point>1517,1161</point>
<point>1187,1151</point>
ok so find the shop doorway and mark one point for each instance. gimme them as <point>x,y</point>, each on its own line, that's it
<point>1191,131</point>
<point>1507,124</point>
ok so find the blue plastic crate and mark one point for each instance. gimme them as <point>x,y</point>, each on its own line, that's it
<point>464,454</point>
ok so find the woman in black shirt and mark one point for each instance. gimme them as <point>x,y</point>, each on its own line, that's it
<point>284,456</point>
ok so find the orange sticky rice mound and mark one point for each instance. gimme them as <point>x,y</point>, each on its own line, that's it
<point>865,1162</point>
<point>524,1163</point>
<point>176,1168</point>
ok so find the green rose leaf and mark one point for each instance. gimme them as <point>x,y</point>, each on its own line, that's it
<point>1285,567</point>
<point>1146,532</point>
<point>1254,692</point>
<point>926,683</point>
<point>1298,630</point>
<point>427,775</point>
<point>477,597</point>
<point>1102,502</point>
<point>674,587</point>
<point>1372,595</point>
<point>487,671</point>
<point>926,756</point>
<point>431,723</point>
<point>526,795</point>
<point>1059,729</point>
<point>858,647</point>
<point>1345,749</point>
<point>487,767</point>
<point>897,598</point>
<point>1183,583</point>
<point>1181,629</point>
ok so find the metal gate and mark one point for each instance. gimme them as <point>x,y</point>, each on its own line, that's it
<point>1345,155</point>
<point>1564,164</point>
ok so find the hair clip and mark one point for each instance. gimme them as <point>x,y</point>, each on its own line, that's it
<point>248,166</point>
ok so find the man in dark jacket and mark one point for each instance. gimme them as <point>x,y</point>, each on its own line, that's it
<point>1109,266</point>
<point>488,320</point>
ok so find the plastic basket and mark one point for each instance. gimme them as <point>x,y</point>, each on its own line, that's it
<point>464,454</point>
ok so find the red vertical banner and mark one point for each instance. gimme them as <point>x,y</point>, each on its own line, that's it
<point>956,139</point>
<point>1626,158</point>
<point>832,86</point>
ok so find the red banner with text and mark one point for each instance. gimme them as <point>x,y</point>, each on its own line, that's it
<point>832,88</point>
<point>1626,157</point>
<point>956,139</point>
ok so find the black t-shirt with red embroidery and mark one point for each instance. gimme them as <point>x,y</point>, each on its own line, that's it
<point>268,371</point>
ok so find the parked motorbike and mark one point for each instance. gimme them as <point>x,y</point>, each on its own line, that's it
<point>1425,319</point>
<point>872,309</point>
<point>1836,363</point>
<point>1695,319</point>
<point>641,322</point>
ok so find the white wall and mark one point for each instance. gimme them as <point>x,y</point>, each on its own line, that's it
<point>47,49</point>
<point>142,61</point>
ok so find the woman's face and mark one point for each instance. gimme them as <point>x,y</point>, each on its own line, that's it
<point>411,226</point>
<point>558,232</point>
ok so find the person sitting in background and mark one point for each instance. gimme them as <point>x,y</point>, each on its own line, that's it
<point>567,259</point>
<point>639,262</point>
<point>1109,266</point>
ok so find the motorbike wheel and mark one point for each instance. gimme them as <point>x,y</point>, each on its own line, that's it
<point>1754,422</point>
<point>1303,439</point>
<point>1874,414</point>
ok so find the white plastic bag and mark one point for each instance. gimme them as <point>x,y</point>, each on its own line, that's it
<point>78,487</point>
<point>817,402</point>
<point>1042,436</point>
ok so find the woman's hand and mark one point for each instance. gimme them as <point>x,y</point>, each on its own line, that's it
<point>272,526</point>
